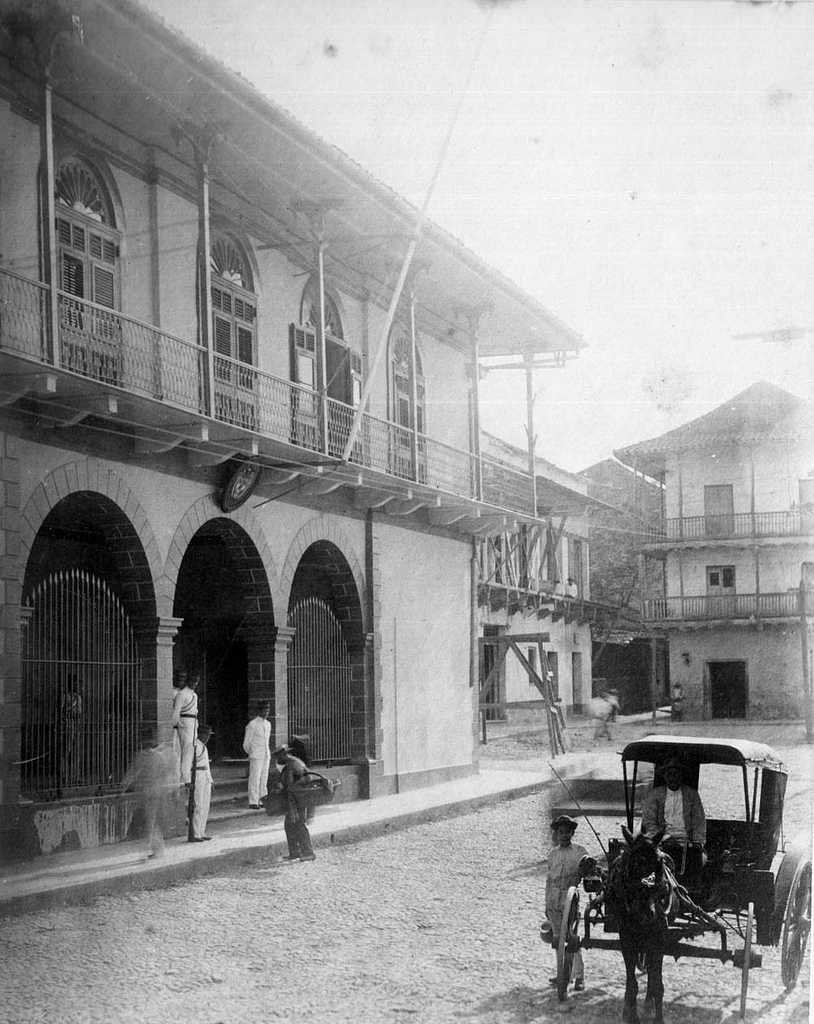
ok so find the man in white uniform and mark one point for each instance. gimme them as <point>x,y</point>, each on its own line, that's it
<point>203,785</point>
<point>185,720</point>
<point>256,744</point>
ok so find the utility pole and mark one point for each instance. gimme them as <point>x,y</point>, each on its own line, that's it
<point>806,590</point>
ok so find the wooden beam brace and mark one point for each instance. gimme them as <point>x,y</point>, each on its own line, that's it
<point>74,410</point>
<point>370,497</point>
<point>446,516</point>
<point>406,507</point>
<point>199,459</point>
<point>144,445</point>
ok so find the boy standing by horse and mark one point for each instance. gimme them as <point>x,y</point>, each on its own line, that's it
<point>565,867</point>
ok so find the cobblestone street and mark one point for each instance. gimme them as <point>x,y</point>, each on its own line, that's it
<point>435,923</point>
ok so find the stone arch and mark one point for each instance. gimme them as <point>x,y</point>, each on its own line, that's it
<point>118,515</point>
<point>341,562</point>
<point>254,560</point>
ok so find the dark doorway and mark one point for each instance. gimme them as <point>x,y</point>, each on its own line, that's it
<point>727,689</point>
<point>210,600</point>
<point>496,694</point>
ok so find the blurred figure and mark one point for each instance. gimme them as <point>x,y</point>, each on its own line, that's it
<point>203,786</point>
<point>604,710</point>
<point>152,776</point>
<point>256,744</point>
<point>70,727</point>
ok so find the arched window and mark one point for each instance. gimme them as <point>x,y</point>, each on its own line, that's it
<point>401,384</point>
<point>234,303</point>
<point>87,240</point>
<point>343,368</point>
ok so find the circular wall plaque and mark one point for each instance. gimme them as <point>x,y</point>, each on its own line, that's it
<point>241,483</point>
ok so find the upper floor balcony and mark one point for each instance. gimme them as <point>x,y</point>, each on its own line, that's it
<point>725,607</point>
<point>712,529</point>
<point>168,390</point>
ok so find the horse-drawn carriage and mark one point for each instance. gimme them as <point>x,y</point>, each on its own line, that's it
<point>658,900</point>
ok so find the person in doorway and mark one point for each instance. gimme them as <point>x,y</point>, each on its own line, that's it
<point>566,864</point>
<point>256,745</point>
<point>677,705</point>
<point>676,808</point>
<point>292,770</point>
<point>203,785</point>
<point>151,776</point>
<point>185,720</point>
<point>70,728</point>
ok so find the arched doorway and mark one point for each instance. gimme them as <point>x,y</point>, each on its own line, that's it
<point>86,597</point>
<point>223,598</point>
<point>326,661</point>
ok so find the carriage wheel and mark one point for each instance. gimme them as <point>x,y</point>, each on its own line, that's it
<point>796,925</point>
<point>747,956</point>
<point>569,941</point>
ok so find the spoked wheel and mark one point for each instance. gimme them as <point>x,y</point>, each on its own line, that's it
<point>568,942</point>
<point>796,925</point>
<point>747,955</point>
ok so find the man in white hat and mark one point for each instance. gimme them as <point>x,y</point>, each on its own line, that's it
<point>256,744</point>
<point>203,785</point>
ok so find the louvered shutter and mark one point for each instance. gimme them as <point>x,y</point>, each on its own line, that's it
<point>303,355</point>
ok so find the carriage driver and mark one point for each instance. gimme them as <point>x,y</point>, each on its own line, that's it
<point>677,809</point>
<point>567,863</point>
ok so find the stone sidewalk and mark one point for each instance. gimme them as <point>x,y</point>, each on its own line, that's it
<point>74,877</point>
<point>511,766</point>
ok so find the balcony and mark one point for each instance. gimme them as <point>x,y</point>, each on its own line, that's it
<point>784,605</point>
<point>733,526</point>
<point>161,382</point>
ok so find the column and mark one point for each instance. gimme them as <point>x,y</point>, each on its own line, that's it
<point>156,637</point>
<point>281,640</point>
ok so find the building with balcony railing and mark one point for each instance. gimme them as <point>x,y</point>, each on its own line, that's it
<point>737,526</point>
<point>234,440</point>
<point>534,583</point>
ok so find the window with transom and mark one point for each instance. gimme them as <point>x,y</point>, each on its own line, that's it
<point>402,381</point>
<point>343,367</point>
<point>234,303</point>
<point>86,236</point>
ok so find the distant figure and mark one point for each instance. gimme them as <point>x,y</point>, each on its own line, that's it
<point>604,709</point>
<point>185,720</point>
<point>70,732</point>
<point>256,745</point>
<point>613,700</point>
<point>152,775</point>
<point>203,785</point>
<point>677,706</point>
<point>571,587</point>
<point>292,771</point>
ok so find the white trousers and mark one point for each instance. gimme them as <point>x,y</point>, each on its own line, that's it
<point>258,778</point>
<point>187,728</point>
<point>203,795</point>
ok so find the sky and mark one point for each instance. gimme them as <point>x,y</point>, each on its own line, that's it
<point>644,168</point>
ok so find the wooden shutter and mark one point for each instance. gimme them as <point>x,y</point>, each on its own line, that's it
<point>303,343</point>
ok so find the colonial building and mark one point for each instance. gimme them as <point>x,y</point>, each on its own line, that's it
<point>239,430</point>
<point>534,588</point>
<point>738,526</point>
<point>628,656</point>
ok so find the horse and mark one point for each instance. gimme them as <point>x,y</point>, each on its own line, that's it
<point>640,896</point>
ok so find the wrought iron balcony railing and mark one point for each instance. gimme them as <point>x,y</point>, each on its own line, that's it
<point>121,352</point>
<point>726,606</point>
<point>792,522</point>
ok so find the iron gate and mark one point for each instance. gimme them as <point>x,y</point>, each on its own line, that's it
<point>81,707</point>
<point>319,680</point>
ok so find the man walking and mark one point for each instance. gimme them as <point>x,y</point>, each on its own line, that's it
<point>185,720</point>
<point>151,777</point>
<point>292,770</point>
<point>203,785</point>
<point>256,744</point>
